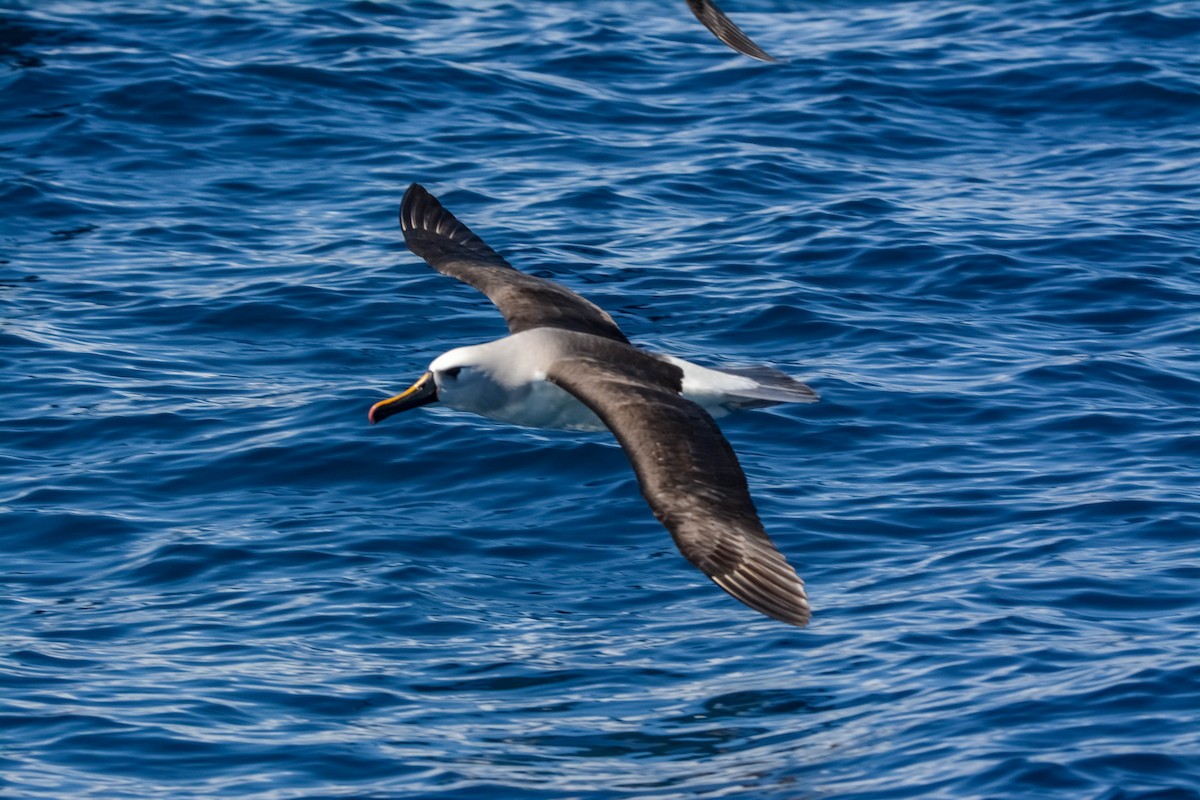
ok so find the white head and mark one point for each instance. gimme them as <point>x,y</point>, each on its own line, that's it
<point>466,380</point>
<point>463,378</point>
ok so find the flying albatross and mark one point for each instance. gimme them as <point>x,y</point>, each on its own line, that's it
<point>723,28</point>
<point>566,364</point>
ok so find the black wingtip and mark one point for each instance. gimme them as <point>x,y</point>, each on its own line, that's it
<point>724,29</point>
<point>429,227</point>
<point>769,585</point>
<point>415,200</point>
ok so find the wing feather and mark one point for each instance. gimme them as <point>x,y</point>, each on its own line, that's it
<point>723,28</point>
<point>526,301</point>
<point>688,474</point>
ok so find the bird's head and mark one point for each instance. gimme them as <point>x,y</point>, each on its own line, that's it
<point>456,379</point>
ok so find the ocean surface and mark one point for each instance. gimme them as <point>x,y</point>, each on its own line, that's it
<point>973,228</point>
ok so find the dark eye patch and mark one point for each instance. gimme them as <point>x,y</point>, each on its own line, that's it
<point>452,372</point>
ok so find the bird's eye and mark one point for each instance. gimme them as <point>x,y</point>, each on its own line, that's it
<point>452,372</point>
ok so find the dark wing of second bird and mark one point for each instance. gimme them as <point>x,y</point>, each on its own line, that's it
<point>687,470</point>
<point>723,28</point>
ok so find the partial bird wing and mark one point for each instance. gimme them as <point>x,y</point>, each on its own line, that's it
<point>687,472</point>
<point>526,301</point>
<point>723,28</point>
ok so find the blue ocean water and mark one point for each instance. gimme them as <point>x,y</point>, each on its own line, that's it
<point>974,229</point>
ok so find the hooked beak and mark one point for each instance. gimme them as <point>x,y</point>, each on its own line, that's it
<point>422,392</point>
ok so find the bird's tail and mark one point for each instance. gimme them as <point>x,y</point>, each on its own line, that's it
<point>724,389</point>
<point>771,387</point>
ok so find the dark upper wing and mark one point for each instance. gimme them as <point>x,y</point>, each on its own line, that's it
<point>526,301</point>
<point>688,473</point>
<point>722,26</point>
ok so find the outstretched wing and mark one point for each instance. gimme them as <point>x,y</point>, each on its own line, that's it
<point>526,301</point>
<point>722,26</point>
<point>687,472</point>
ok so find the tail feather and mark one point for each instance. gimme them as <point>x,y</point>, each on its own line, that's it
<point>771,387</point>
<point>726,389</point>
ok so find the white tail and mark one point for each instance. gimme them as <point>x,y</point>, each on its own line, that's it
<point>732,388</point>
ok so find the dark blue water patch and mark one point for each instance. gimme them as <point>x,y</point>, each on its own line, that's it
<point>51,529</point>
<point>1155,24</point>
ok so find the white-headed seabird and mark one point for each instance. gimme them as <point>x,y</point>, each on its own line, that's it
<point>723,28</point>
<point>566,364</point>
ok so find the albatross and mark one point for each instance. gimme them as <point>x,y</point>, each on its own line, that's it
<point>566,364</point>
<point>723,28</point>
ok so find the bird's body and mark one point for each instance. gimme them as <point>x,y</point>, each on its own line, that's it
<point>505,380</point>
<point>566,364</point>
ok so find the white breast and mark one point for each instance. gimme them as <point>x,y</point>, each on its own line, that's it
<point>544,405</point>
